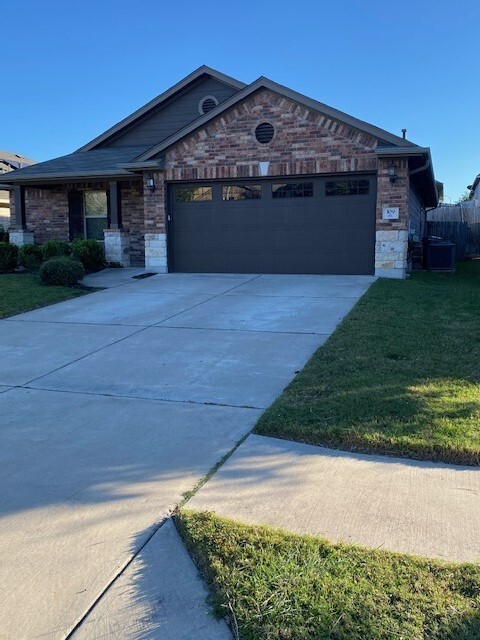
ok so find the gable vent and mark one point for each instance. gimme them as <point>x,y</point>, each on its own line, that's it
<point>264,132</point>
<point>207,104</point>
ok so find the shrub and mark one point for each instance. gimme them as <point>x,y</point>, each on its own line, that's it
<point>8,256</point>
<point>90,253</point>
<point>3,234</point>
<point>55,248</point>
<point>61,271</point>
<point>30,256</point>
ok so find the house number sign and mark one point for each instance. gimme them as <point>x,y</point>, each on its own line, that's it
<point>390,213</point>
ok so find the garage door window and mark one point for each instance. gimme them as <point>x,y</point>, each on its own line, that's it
<point>193,194</point>
<point>242,192</point>
<point>347,188</point>
<point>292,190</point>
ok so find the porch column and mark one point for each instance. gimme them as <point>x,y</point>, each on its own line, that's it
<point>115,205</point>
<point>117,239</point>
<point>20,216</point>
<point>19,235</point>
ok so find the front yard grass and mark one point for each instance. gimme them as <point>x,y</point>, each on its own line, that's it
<point>279,586</point>
<point>24,292</point>
<point>400,376</point>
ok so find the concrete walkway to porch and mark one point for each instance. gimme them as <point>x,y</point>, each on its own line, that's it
<point>421,508</point>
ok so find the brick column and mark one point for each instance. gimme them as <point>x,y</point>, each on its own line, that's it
<point>155,224</point>
<point>391,246</point>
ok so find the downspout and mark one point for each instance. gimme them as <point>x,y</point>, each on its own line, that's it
<point>423,168</point>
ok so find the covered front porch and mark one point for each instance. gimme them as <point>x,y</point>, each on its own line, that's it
<point>111,212</point>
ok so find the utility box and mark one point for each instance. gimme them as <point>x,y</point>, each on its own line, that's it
<point>438,254</point>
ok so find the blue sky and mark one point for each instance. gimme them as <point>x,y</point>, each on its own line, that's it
<point>70,70</point>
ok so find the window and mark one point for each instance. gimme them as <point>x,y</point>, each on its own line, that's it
<point>95,211</point>
<point>347,188</point>
<point>242,192</point>
<point>292,190</point>
<point>193,194</point>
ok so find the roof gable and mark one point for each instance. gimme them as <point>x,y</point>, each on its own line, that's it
<point>138,127</point>
<point>264,83</point>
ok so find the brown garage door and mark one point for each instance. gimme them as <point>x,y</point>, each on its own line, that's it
<point>301,225</point>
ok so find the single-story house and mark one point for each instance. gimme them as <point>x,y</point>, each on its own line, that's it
<point>215,175</point>
<point>474,189</point>
<point>9,162</point>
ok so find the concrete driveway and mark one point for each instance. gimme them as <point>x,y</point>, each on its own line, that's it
<point>114,404</point>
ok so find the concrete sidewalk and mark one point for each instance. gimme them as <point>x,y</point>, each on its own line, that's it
<point>422,508</point>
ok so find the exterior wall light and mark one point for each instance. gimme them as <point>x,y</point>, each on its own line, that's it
<point>151,184</point>
<point>392,173</point>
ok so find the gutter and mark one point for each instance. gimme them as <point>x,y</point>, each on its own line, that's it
<point>70,175</point>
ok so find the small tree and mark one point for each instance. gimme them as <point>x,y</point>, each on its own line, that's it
<point>463,198</point>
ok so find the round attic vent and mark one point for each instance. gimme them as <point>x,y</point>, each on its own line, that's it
<point>206,104</point>
<point>264,132</point>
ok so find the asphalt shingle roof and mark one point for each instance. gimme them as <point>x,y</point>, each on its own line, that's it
<point>80,162</point>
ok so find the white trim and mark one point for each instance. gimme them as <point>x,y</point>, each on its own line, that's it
<point>200,104</point>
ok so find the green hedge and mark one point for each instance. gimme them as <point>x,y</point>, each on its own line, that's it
<point>8,256</point>
<point>30,256</point>
<point>90,253</point>
<point>54,248</point>
<point>62,271</point>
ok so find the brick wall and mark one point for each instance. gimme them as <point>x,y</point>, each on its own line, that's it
<point>132,216</point>
<point>154,204</point>
<point>47,212</point>
<point>305,141</point>
<point>392,195</point>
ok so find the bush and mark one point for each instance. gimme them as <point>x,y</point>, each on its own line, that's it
<point>8,256</point>
<point>90,253</point>
<point>55,248</point>
<point>61,271</point>
<point>3,234</point>
<point>30,256</point>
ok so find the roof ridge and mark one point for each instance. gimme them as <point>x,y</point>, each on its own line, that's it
<point>262,81</point>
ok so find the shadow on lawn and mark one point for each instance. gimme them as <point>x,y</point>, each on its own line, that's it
<point>426,419</point>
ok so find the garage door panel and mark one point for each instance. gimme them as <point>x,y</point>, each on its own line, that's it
<point>276,235</point>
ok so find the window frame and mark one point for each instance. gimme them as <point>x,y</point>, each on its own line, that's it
<point>289,195</point>
<point>193,201</point>
<point>256,186</point>
<point>94,217</point>
<point>346,182</point>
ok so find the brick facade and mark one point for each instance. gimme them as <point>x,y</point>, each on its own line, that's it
<point>305,141</point>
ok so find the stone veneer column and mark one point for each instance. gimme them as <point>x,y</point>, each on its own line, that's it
<point>21,237</point>
<point>391,242</point>
<point>117,246</point>
<point>155,224</point>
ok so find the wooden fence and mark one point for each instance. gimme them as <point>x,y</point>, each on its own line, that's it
<point>459,223</point>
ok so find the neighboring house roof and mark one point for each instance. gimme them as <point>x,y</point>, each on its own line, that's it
<point>473,187</point>
<point>12,161</point>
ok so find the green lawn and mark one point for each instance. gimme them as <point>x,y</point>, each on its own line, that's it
<point>278,586</point>
<point>24,292</point>
<point>400,376</point>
